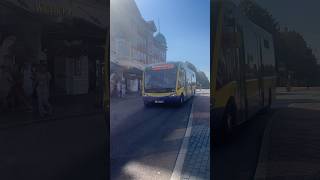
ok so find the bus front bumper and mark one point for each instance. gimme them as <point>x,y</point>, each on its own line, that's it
<point>161,100</point>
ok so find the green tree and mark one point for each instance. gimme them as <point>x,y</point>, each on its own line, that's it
<point>203,80</point>
<point>201,76</point>
<point>291,50</point>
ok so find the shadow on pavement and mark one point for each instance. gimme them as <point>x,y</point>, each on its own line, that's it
<point>143,144</point>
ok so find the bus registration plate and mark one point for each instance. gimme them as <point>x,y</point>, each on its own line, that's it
<point>156,101</point>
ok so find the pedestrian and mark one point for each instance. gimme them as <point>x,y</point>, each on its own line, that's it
<point>43,78</point>
<point>34,97</point>
<point>8,87</point>
<point>123,89</point>
<point>119,89</point>
<point>27,85</point>
<point>27,80</point>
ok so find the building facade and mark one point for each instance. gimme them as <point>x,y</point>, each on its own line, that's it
<point>68,36</point>
<point>132,44</point>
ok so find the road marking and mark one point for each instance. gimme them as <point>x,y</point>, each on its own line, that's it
<point>176,174</point>
<point>261,169</point>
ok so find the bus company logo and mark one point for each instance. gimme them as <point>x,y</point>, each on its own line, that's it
<point>162,66</point>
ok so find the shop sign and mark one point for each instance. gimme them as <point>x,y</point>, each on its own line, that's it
<point>49,7</point>
<point>52,10</point>
<point>87,10</point>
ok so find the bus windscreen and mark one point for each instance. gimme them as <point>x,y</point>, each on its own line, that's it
<point>160,80</point>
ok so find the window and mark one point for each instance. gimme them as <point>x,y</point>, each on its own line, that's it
<point>123,47</point>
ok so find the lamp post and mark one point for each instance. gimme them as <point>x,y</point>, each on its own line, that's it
<point>106,90</point>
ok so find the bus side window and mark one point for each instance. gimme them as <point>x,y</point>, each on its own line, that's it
<point>180,79</point>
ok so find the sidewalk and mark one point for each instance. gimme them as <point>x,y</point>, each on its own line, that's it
<point>63,107</point>
<point>197,162</point>
<point>291,142</point>
<point>116,100</point>
<point>122,108</point>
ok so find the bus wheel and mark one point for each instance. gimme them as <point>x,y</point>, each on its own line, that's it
<point>181,99</point>
<point>229,118</point>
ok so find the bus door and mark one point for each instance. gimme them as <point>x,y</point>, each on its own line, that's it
<point>261,78</point>
<point>242,91</point>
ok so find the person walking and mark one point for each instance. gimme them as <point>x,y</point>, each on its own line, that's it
<point>43,81</point>
<point>34,101</point>
<point>119,89</point>
<point>27,84</point>
<point>123,89</point>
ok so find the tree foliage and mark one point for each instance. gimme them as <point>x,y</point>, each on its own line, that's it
<point>202,79</point>
<point>291,50</point>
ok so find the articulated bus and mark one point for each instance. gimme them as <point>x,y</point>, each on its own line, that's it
<point>242,68</point>
<point>171,82</point>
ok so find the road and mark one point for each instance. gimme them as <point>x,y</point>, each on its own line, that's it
<point>238,158</point>
<point>145,143</point>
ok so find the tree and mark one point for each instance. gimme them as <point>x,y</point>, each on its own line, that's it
<point>291,50</point>
<point>203,80</point>
<point>201,76</point>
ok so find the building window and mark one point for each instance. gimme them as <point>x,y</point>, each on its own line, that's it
<point>123,47</point>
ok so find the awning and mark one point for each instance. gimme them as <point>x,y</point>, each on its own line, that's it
<point>133,73</point>
<point>129,64</point>
<point>115,68</point>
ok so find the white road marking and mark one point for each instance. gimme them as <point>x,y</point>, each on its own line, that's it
<point>176,174</point>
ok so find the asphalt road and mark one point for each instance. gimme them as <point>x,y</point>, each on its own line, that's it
<point>238,157</point>
<point>146,145</point>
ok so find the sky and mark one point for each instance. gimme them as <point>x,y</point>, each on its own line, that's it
<point>186,26</point>
<point>298,15</point>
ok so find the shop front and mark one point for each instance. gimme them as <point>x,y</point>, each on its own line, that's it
<point>63,36</point>
<point>133,78</point>
<point>128,73</point>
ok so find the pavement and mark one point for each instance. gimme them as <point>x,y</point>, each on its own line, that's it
<point>72,148</point>
<point>146,142</point>
<point>196,165</point>
<point>71,144</point>
<point>291,141</point>
<point>64,107</point>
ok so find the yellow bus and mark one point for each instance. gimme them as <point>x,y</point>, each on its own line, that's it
<point>242,68</point>
<point>171,82</point>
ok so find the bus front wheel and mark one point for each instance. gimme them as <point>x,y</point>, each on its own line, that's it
<point>229,117</point>
<point>181,99</point>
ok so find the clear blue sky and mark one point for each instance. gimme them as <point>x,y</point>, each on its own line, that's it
<point>186,26</point>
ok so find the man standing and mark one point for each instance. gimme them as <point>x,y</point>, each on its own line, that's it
<point>43,81</point>
<point>27,83</point>
<point>123,88</point>
<point>119,89</point>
